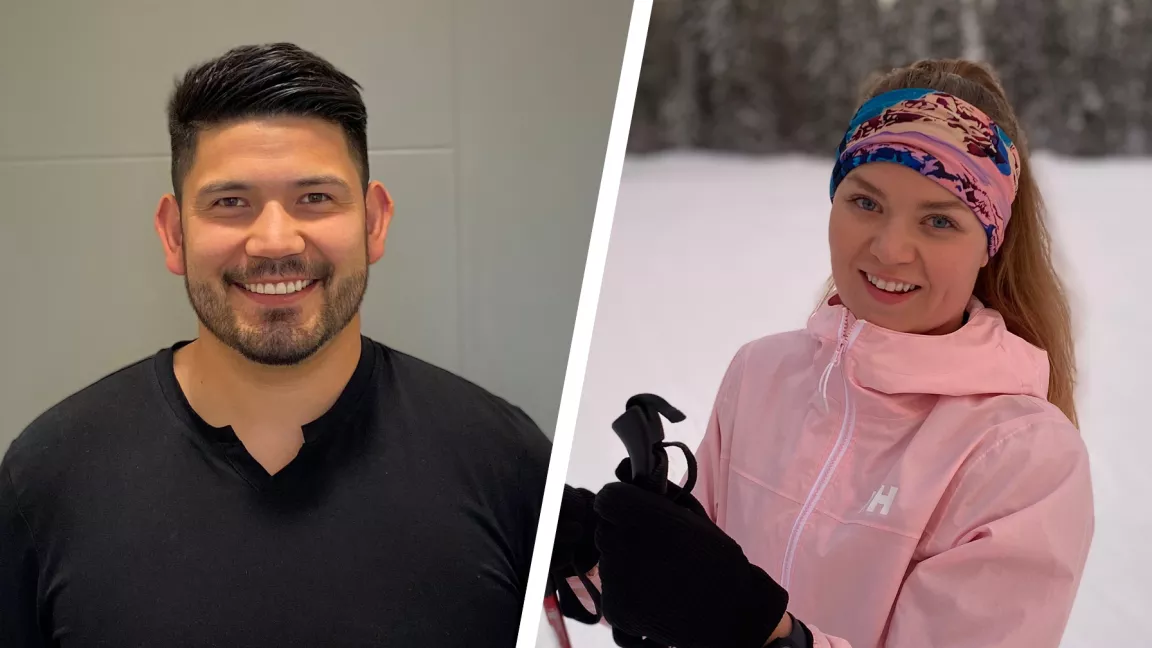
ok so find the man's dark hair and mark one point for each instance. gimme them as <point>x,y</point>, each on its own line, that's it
<point>260,81</point>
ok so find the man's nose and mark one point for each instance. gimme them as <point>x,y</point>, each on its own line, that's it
<point>275,234</point>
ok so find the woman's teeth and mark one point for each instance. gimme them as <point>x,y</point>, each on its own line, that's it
<point>889,286</point>
<point>282,288</point>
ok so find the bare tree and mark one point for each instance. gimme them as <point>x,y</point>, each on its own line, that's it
<point>941,22</point>
<point>1140,60</point>
<point>854,25</point>
<point>766,76</point>
<point>895,18</point>
<point>660,75</point>
<point>1095,87</point>
<point>1015,40</point>
<point>748,65</point>
<point>1132,56</point>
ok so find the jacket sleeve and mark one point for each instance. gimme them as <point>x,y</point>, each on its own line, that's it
<point>712,455</point>
<point>1003,555</point>
<point>19,569</point>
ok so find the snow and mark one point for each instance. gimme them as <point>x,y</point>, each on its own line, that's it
<point>709,252</point>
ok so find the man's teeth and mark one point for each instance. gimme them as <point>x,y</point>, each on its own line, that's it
<point>282,288</point>
<point>889,286</point>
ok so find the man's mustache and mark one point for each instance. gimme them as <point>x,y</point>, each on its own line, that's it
<point>272,268</point>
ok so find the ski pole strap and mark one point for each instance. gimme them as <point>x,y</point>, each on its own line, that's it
<point>690,482</point>
<point>571,605</point>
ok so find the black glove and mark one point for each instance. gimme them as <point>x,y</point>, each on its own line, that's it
<point>574,553</point>
<point>669,574</point>
<point>574,550</point>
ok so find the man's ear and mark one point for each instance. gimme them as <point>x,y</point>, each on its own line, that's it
<point>171,233</point>
<point>378,208</point>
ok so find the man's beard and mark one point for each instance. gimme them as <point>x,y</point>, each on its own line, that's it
<point>278,338</point>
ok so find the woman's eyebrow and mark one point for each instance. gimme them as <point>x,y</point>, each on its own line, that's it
<point>931,204</point>
<point>943,204</point>
<point>868,186</point>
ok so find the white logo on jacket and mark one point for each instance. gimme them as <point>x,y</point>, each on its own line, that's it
<point>882,499</point>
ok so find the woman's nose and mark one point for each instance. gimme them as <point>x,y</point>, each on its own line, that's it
<point>892,244</point>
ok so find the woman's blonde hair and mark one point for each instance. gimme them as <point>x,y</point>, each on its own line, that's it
<point>1020,282</point>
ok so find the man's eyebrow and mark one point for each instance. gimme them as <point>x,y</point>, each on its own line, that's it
<point>223,186</point>
<point>314,181</point>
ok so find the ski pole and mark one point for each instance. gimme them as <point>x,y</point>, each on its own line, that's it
<point>642,433</point>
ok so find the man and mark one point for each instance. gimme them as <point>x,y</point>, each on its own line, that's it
<point>281,480</point>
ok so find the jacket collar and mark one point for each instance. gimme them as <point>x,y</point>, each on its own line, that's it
<point>981,357</point>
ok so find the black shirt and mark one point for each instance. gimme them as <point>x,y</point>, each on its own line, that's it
<point>407,518</point>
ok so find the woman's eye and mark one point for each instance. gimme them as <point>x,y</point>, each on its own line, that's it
<point>865,203</point>
<point>315,198</point>
<point>940,222</point>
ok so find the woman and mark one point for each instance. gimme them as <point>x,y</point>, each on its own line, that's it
<point>907,470</point>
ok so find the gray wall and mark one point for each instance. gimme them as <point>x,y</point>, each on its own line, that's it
<point>488,121</point>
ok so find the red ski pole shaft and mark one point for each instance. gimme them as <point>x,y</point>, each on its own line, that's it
<point>556,620</point>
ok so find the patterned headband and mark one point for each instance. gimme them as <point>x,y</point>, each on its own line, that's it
<point>945,139</point>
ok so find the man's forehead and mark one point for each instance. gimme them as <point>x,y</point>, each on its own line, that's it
<point>264,140</point>
<point>271,153</point>
<point>280,163</point>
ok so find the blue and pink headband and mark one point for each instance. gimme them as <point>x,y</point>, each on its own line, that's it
<point>943,138</point>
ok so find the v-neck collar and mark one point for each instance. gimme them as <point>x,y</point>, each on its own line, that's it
<point>350,402</point>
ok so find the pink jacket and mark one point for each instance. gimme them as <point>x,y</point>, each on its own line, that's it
<point>908,491</point>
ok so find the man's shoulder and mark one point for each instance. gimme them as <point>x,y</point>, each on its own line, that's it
<point>453,396</point>
<point>65,425</point>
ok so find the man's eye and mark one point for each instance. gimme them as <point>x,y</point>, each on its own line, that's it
<point>316,198</point>
<point>231,201</point>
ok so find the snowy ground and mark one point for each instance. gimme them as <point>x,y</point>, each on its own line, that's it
<point>709,252</point>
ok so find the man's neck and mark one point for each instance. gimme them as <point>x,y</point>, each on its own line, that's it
<point>225,388</point>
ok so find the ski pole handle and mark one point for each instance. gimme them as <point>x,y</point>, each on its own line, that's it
<point>642,432</point>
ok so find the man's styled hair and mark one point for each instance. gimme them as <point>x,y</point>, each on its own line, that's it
<point>261,81</point>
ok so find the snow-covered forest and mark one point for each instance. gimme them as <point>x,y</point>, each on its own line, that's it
<point>780,76</point>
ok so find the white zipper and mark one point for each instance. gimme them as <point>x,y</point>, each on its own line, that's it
<point>841,342</point>
<point>838,450</point>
